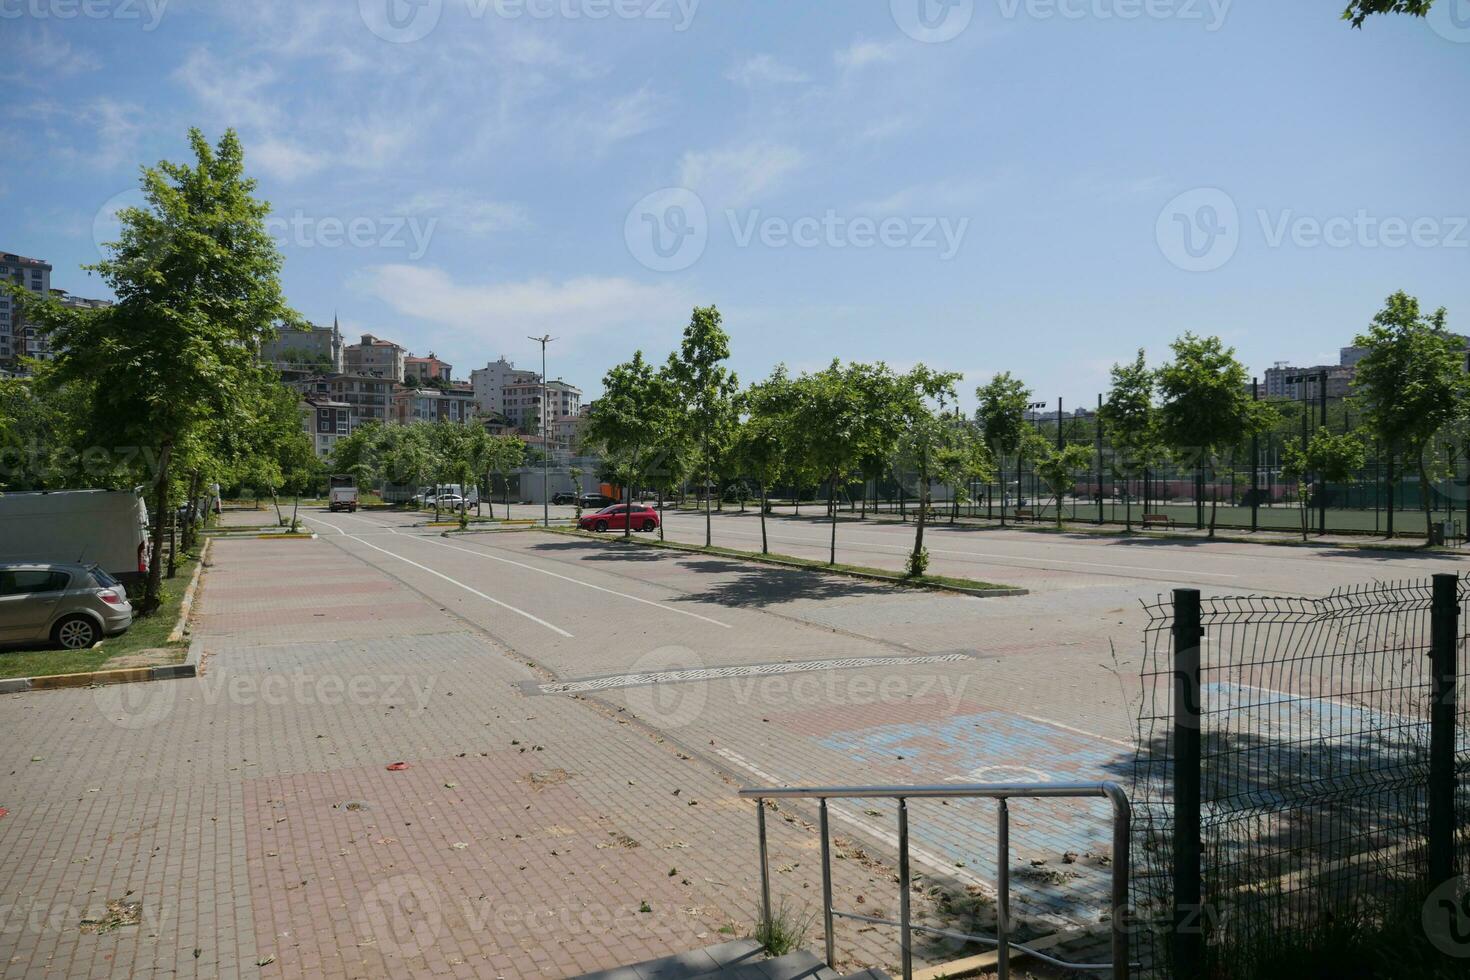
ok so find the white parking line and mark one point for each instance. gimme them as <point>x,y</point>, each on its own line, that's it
<point>519,612</point>
<point>585,585</point>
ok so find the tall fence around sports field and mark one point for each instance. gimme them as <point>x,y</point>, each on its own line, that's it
<point>1298,770</point>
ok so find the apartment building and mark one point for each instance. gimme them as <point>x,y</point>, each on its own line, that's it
<point>421,370</point>
<point>491,381</point>
<point>18,340</point>
<point>455,403</point>
<point>306,353</point>
<point>369,399</point>
<point>325,421</point>
<point>373,357</point>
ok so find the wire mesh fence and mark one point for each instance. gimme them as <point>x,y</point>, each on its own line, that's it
<point>1314,769</point>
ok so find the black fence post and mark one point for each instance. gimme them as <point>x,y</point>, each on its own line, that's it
<point>1189,937</point>
<point>1444,622</point>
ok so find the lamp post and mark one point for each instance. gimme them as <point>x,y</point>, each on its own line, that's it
<point>545,436</point>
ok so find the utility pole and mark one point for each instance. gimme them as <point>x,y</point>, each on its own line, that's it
<point>1255,464</point>
<point>545,436</point>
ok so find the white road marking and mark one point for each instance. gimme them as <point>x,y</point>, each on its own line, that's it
<point>504,605</point>
<point>585,585</point>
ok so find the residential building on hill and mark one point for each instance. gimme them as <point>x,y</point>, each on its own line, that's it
<point>491,381</point>
<point>310,352</point>
<point>418,370</point>
<point>373,357</point>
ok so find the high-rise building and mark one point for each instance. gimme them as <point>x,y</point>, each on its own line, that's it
<point>18,340</point>
<point>491,381</point>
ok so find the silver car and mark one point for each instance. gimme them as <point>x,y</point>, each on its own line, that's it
<point>72,606</point>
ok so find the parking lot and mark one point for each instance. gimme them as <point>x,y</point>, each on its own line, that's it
<point>576,717</point>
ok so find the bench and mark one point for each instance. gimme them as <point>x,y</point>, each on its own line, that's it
<point>1025,514</point>
<point>1150,520</point>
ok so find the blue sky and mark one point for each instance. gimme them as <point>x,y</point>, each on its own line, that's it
<point>1034,185</point>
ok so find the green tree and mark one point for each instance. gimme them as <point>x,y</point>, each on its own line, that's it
<point>1130,424</point>
<point>1410,383</point>
<point>504,454</point>
<point>1206,407</point>
<point>848,414</point>
<point>1360,10</point>
<point>961,459</point>
<point>638,410</point>
<point>1002,417</point>
<point>762,439</point>
<point>707,389</point>
<point>1057,467</point>
<point>197,280</point>
<point>1327,458</point>
<point>923,431</point>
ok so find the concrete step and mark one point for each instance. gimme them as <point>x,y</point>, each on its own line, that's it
<point>685,966</point>
<point>741,959</point>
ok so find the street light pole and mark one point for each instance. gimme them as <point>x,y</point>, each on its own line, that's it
<point>545,436</point>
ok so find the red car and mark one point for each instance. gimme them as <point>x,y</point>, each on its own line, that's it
<point>615,518</point>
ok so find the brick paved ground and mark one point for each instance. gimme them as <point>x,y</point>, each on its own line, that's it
<point>251,816</point>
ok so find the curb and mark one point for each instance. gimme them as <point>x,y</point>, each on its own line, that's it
<point>187,603</point>
<point>772,560</point>
<point>102,678</point>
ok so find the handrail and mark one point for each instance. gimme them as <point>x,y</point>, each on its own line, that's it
<point>1002,793</point>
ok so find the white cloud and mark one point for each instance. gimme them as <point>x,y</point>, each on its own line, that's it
<point>465,212</point>
<point>763,69</point>
<point>934,196</point>
<point>283,160</point>
<point>42,56</point>
<point>235,96</point>
<point>736,176</point>
<point>572,309</point>
<point>861,54</point>
<point>602,127</point>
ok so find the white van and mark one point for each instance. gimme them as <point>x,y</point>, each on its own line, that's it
<point>105,527</point>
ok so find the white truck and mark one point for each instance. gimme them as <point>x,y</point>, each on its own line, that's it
<point>342,494</point>
<point>105,527</point>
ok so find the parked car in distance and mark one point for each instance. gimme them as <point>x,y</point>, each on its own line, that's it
<point>447,500</point>
<point>72,606</point>
<point>563,499</point>
<point>616,518</point>
<point>596,500</point>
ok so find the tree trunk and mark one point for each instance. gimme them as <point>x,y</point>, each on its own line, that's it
<point>1424,502</point>
<point>765,546</point>
<point>660,513</point>
<point>153,590</point>
<point>1214,506</point>
<point>276,503</point>
<point>708,519</point>
<point>919,528</point>
<point>1004,490</point>
<point>190,537</point>
<point>628,514</point>
<point>832,506</point>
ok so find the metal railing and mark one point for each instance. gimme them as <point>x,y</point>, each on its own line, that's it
<point>1001,793</point>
